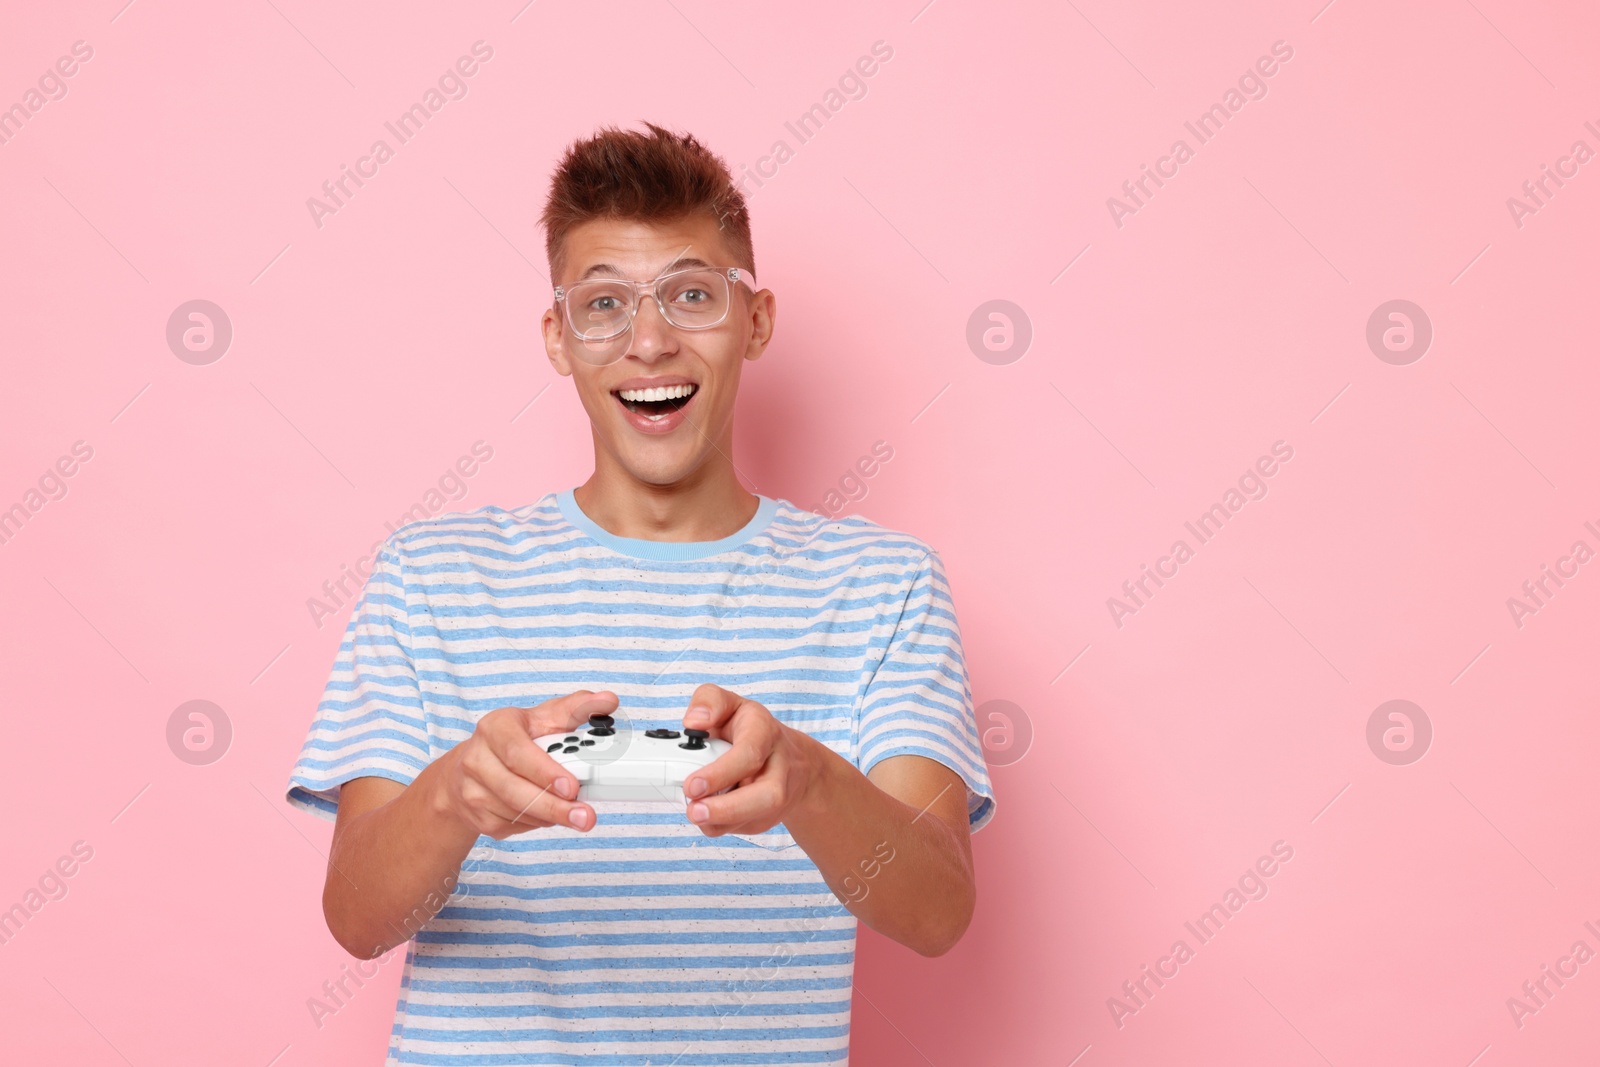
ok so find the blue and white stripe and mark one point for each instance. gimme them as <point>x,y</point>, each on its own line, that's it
<point>642,941</point>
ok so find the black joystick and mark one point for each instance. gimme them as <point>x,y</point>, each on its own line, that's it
<point>602,725</point>
<point>697,739</point>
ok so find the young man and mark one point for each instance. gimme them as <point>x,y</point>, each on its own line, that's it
<point>547,929</point>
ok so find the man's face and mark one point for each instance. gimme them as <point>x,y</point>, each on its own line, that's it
<point>672,449</point>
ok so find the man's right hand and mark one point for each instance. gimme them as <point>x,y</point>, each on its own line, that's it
<point>498,782</point>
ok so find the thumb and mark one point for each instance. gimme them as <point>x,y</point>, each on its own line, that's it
<point>574,709</point>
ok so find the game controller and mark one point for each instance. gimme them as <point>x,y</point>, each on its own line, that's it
<point>616,763</point>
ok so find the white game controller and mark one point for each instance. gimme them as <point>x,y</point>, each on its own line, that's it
<point>612,763</point>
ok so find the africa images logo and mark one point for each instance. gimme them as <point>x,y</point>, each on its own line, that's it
<point>1252,85</point>
<point>451,85</point>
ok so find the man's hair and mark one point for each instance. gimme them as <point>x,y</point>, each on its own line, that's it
<point>658,176</point>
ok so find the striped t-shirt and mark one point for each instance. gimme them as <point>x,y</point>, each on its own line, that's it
<point>641,941</point>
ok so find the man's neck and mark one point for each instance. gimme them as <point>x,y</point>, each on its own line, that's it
<point>707,509</point>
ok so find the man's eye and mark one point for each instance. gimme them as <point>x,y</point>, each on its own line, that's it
<point>694,296</point>
<point>604,303</point>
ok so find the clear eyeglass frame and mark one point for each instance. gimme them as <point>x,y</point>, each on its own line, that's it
<point>600,351</point>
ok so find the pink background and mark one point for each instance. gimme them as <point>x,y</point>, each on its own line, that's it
<point>1228,313</point>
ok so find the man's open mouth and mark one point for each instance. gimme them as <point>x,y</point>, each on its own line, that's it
<point>655,403</point>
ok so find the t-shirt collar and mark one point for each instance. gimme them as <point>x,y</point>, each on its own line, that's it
<point>644,548</point>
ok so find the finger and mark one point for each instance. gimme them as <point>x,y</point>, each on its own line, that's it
<point>574,709</point>
<point>753,803</point>
<point>745,759</point>
<point>488,786</point>
<point>516,795</point>
<point>498,822</point>
<point>711,707</point>
<point>518,750</point>
<point>489,815</point>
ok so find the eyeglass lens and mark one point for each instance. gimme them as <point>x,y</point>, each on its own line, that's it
<point>602,309</point>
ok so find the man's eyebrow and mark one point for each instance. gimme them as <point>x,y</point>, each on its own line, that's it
<point>687,261</point>
<point>616,272</point>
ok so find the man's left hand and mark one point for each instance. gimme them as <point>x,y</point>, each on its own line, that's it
<point>775,766</point>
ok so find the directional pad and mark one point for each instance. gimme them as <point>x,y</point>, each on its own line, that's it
<point>664,734</point>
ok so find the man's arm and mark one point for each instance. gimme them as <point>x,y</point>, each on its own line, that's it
<point>397,849</point>
<point>896,842</point>
<point>893,845</point>
<point>393,861</point>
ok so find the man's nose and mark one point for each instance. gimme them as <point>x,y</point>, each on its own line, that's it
<point>652,333</point>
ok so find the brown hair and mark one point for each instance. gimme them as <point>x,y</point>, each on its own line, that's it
<point>655,176</point>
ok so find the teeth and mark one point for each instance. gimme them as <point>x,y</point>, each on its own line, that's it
<point>669,392</point>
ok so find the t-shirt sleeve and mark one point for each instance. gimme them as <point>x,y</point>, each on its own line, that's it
<point>918,702</point>
<point>370,719</point>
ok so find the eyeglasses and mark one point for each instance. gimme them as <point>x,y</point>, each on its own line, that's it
<point>600,311</point>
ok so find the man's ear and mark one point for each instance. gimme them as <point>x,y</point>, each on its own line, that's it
<point>555,342</point>
<point>763,319</point>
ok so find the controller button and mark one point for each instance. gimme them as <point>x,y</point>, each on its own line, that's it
<point>571,738</point>
<point>586,741</point>
<point>697,739</point>
<point>552,748</point>
<point>601,731</point>
<point>663,734</point>
<point>602,720</point>
<point>570,748</point>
